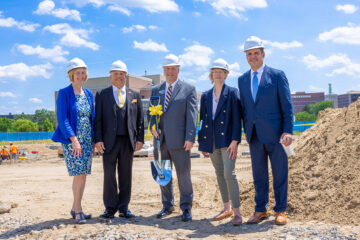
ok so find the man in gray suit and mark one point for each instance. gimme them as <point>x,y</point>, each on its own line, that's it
<point>177,129</point>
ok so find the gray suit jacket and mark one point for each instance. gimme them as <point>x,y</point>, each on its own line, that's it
<point>178,123</point>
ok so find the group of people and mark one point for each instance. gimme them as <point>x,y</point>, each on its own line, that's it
<point>8,154</point>
<point>113,124</point>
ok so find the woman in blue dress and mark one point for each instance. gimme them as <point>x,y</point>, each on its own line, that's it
<point>75,118</point>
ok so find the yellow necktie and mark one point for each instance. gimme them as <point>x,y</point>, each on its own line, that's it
<point>121,99</point>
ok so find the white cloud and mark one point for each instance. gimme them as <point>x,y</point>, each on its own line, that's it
<point>152,27</point>
<point>72,37</point>
<point>234,70</point>
<point>341,64</point>
<point>7,94</point>
<point>314,88</point>
<point>349,34</point>
<point>10,22</point>
<point>138,28</point>
<point>122,10</point>
<point>283,45</point>
<point>235,8</point>
<point>196,55</point>
<point>56,54</point>
<point>347,8</point>
<point>150,45</point>
<point>35,100</point>
<point>152,6</point>
<point>47,7</point>
<point>22,71</point>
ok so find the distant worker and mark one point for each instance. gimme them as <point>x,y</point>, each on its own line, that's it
<point>13,152</point>
<point>4,153</point>
<point>75,116</point>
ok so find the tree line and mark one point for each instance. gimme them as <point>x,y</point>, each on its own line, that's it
<point>310,112</point>
<point>42,121</point>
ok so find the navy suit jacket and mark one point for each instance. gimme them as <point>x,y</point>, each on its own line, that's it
<point>66,114</point>
<point>272,112</point>
<point>226,125</point>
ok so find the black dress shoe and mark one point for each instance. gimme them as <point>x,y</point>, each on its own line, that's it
<point>165,211</point>
<point>126,214</point>
<point>186,217</point>
<point>107,214</point>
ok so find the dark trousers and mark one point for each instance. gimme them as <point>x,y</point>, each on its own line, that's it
<point>121,154</point>
<point>181,160</point>
<point>279,164</point>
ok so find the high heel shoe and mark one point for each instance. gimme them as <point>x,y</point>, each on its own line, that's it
<point>72,213</point>
<point>81,219</point>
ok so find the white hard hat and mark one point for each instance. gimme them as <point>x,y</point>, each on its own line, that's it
<point>76,63</point>
<point>118,66</point>
<point>220,63</point>
<point>252,43</point>
<point>171,60</point>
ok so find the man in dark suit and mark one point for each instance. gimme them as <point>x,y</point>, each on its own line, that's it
<point>177,134</point>
<point>119,131</point>
<point>268,120</point>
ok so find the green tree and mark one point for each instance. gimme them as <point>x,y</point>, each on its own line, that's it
<point>42,114</point>
<point>5,124</point>
<point>48,127</point>
<point>24,125</point>
<point>304,117</point>
<point>317,107</point>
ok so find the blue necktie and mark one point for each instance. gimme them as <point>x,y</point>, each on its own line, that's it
<point>255,85</point>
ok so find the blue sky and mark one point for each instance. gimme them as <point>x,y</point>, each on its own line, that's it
<point>314,42</point>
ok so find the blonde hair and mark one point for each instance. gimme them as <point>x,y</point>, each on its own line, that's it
<point>72,72</point>
<point>211,72</point>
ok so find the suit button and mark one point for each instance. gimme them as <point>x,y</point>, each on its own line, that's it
<point>204,137</point>
<point>222,134</point>
<point>222,122</point>
<point>224,111</point>
<point>206,126</point>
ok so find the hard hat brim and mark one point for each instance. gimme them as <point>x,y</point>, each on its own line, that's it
<point>77,68</point>
<point>254,48</point>
<point>118,70</point>
<point>216,67</point>
<point>171,64</point>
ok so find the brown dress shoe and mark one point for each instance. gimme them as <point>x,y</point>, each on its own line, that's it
<point>223,214</point>
<point>257,217</point>
<point>237,220</point>
<point>280,218</point>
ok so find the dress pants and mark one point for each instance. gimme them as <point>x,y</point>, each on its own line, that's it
<point>181,159</point>
<point>116,196</point>
<point>279,165</point>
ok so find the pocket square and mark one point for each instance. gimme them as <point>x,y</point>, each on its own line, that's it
<point>134,101</point>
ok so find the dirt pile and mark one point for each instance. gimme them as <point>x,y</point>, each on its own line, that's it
<point>324,176</point>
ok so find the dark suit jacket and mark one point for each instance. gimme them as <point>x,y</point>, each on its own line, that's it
<point>67,114</point>
<point>272,112</point>
<point>226,125</point>
<point>106,120</point>
<point>178,123</point>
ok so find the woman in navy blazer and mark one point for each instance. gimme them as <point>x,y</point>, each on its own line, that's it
<point>75,118</point>
<point>219,135</point>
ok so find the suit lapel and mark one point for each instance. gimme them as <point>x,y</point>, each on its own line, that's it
<point>161,93</point>
<point>175,92</point>
<point>111,98</point>
<point>128,100</point>
<point>222,100</point>
<point>209,102</point>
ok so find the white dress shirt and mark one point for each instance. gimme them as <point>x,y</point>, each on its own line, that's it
<point>116,91</point>
<point>259,74</point>
<point>173,86</point>
<point>215,102</point>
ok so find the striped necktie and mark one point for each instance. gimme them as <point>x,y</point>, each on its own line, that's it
<point>167,97</point>
<point>121,99</point>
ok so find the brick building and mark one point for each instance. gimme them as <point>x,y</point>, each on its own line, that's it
<point>301,99</point>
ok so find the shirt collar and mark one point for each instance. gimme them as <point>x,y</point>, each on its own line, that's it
<point>115,89</point>
<point>173,84</point>
<point>259,71</point>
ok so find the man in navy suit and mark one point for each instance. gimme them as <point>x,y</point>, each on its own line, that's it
<point>268,120</point>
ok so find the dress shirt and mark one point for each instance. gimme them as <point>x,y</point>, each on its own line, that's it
<point>214,103</point>
<point>173,86</point>
<point>259,74</point>
<point>116,92</point>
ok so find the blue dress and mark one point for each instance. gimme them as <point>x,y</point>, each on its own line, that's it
<point>80,165</point>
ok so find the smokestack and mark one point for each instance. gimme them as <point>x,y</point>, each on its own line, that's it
<point>330,89</point>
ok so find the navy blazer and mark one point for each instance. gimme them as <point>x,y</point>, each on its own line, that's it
<point>226,125</point>
<point>66,114</point>
<point>272,112</point>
